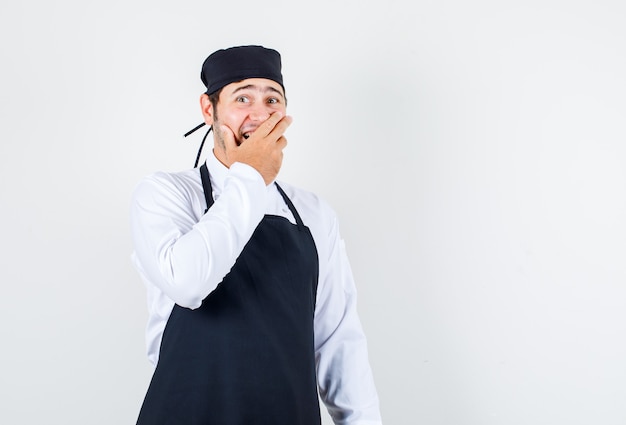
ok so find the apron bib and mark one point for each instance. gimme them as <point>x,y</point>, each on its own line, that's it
<point>246,355</point>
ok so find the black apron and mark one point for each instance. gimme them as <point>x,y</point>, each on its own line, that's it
<point>246,355</point>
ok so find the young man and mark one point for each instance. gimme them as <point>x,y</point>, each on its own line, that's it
<point>252,304</point>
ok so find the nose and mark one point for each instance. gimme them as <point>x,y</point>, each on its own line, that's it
<point>260,112</point>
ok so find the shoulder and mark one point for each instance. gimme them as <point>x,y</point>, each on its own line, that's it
<point>307,201</point>
<point>176,180</point>
<point>315,211</point>
<point>168,187</point>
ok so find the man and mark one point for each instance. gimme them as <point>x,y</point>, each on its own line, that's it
<point>252,305</point>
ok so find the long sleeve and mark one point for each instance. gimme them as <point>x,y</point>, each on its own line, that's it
<point>345,378</point>
<point>183,252</point>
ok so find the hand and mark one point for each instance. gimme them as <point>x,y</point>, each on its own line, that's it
<point>263,149</point>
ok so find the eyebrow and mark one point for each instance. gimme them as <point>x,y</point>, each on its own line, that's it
<point>264,89</point>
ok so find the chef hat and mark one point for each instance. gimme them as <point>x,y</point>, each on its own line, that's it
<point>234,64</point>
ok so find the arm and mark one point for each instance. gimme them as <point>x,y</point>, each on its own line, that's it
<point>187,257</point>
<point>345,379</point>
<point>184,257</point>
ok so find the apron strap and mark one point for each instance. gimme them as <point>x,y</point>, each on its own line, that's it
<point>291,207</point>
<point>206,185</point>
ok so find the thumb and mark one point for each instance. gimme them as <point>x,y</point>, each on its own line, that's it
<point>229,138</point>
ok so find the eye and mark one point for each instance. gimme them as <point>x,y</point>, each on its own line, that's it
<point>243,99</point>
<point>272,100</point>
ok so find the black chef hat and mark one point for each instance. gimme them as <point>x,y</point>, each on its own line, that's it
<point>226,66</point>
<point>234,64</point>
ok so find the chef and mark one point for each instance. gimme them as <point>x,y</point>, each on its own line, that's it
<point>252,303</point>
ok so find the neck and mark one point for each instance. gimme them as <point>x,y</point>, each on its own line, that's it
<point>220,155</point>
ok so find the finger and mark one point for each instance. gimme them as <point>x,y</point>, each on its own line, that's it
<point>280,127</point>
<point>281,142</point>
<point>266,127</point>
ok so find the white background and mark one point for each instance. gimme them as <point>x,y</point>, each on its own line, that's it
<point>474,152</point>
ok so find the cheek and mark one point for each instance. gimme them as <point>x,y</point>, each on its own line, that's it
<point>232,118</point>
<point>281,107</point>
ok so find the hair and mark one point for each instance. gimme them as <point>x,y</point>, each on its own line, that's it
<point>214,98</point>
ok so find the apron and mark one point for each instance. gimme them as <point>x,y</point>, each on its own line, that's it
<point>246,355</point>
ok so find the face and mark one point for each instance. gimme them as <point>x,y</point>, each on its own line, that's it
<point>242,107</point>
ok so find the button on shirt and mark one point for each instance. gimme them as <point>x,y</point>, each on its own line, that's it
<point>182,254</point>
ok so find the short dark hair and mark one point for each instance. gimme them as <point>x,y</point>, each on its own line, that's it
<point>214,98</point>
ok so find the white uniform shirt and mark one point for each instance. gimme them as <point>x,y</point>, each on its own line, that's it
<point>182,254</point>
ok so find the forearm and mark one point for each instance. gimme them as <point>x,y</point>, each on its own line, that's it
<point>345,378</point>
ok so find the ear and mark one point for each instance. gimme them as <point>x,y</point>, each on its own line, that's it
<point>207,109</point>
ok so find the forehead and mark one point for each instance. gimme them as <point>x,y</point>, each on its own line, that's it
<point>256,84</point>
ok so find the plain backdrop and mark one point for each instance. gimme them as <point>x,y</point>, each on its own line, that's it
<point>473,150</point>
